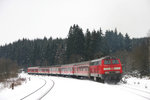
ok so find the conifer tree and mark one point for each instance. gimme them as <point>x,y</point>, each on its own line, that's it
<point>127,42</point>
<point>88,47</point>
<point>75,43</point>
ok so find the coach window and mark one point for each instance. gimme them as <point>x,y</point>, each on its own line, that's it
<point>70,69</point>
<point>81,68</point>
<point>84,69</point>
<point>78,69</point>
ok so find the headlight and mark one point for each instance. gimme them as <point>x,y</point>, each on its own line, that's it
<point>107,68</point>
<point>117,68</point>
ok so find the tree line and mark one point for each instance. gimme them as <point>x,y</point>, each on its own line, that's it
<point>8,69</point>
<point>138,58</point>
<point>78,46</point>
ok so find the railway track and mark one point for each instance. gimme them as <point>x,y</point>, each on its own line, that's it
<point>41,92</point>
<point>47,91</point>
<point>139,92</point>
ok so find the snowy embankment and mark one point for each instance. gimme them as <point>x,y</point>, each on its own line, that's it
<point>74,89</point>
<point>31,84</point>
<point>139,82</point>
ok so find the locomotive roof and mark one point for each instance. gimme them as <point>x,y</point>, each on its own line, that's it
<point>106,57</point>
<point>33,67</point>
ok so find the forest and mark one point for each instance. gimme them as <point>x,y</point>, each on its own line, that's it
<point>80,46</point>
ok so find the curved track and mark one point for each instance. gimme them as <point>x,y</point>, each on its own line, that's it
<point>38,90</point>
<point>35,90</point>
<point>47,91</point>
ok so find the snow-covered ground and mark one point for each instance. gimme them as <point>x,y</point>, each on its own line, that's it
<point>21,90</point>
<point>139,82</point>
<point>76,89</point>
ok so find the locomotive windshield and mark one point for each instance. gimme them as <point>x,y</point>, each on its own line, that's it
<point>108,61</point>
<point>115,62</point>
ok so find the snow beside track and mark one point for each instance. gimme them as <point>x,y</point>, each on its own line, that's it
<point>143,83</point>
<point>73,89</point>
<point>22,90</point>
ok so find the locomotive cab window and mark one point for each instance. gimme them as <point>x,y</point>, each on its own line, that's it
<point>92,63</point>
<point>107,61</point>
<point>100,62</point>
<point>96,63</point>
<point>115,61</point>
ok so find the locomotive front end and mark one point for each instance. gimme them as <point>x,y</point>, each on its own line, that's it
<point>112,69</point>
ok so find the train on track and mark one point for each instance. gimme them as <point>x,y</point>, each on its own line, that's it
<point>103,69</point>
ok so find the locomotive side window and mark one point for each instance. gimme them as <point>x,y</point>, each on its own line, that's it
<point>96,63</point>
<point>100,62</point>
<point>92,63</point>
<point>115,61</point>
<point>107,61</point>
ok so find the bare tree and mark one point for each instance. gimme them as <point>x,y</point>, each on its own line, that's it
<point>8,69</point>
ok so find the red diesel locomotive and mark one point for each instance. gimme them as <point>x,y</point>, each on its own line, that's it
<point>103,69</point>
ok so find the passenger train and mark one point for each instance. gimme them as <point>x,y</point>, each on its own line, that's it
<point>103,69</point>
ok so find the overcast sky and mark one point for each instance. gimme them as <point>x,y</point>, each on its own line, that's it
<point>38,18</point>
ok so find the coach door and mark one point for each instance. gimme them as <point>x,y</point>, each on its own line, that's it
<point>89,73</point>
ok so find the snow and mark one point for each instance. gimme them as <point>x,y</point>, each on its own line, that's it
<point>138,82</point>
<point>74,89</point>
<point>22,90</point>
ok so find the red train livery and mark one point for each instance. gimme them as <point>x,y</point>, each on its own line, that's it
<point>103,69</point>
